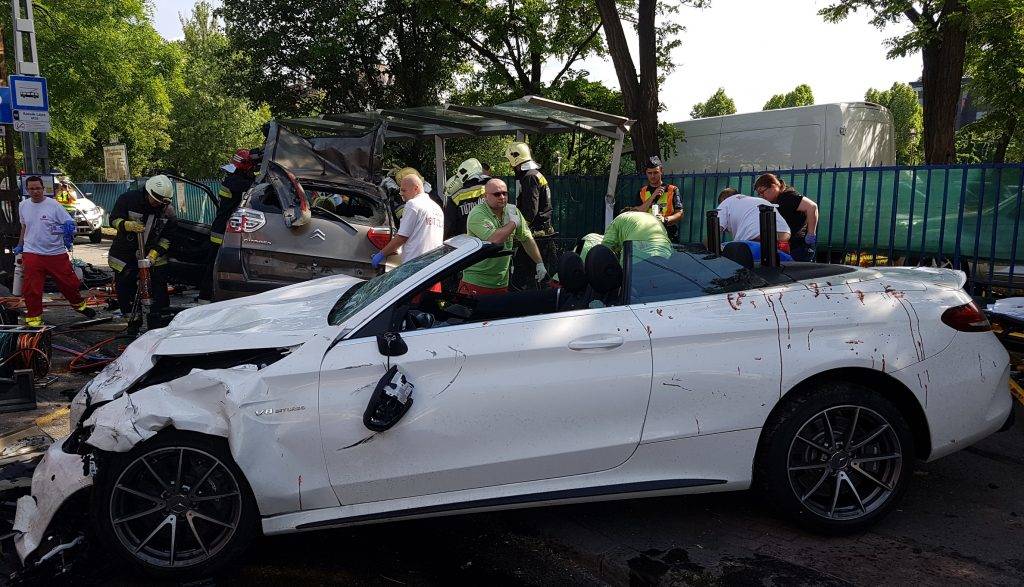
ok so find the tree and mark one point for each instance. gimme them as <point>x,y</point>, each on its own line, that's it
<point>718,104</point>
<point>901,101</point>
<point>939,30</point>
<point>510,41</point>
<point>110,74</point>
<point>307,57</point>
<point>800,96</point>
<point>640,91</point>
<point>995,65</point>
<point>208,122</point>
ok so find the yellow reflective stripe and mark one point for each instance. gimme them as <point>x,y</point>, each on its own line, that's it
<point>160,261</point>
<point>81,306</point>
<point>117,222</point>
<point>470,194</point>
<point>542,180</point>
<point>224,192</point>
<point>33,321</point>
<point>217,238</point>
<point>163,243</point>
<point>116,264</point>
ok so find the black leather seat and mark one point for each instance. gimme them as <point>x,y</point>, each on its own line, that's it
<point>572,276</point>
<point>604,273</point>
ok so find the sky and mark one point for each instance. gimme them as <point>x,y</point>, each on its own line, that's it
<point>752,48</point>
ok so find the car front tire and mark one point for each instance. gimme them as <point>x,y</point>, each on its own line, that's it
<point>174,508</point>
<point>835,459</point>
<point>96,236</point>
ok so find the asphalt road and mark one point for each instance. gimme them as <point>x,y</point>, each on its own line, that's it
<point>961,522</point>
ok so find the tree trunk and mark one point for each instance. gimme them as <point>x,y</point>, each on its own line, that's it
<point>645,132</point>
<point>640,93</point>
<point>1004,141</point>
<point>943,71</point>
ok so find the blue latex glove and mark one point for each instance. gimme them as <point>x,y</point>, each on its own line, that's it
<point>69,234</point>
<point>18,249</point>
<point>377,259</point>
<point>811,239</point>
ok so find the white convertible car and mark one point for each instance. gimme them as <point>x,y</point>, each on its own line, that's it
<point>340,401</point>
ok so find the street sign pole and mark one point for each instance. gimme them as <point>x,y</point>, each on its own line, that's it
<point>26,62</point>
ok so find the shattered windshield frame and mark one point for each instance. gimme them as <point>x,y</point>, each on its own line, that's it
<point>363,294</point>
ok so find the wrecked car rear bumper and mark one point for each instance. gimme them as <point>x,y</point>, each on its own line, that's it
<point>58,476</point>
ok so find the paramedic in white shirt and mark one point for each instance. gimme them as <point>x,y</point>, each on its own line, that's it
<point>738,214</point>
<point>422,226</point>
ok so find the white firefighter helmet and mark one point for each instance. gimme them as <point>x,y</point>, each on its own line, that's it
<point>517,154</point>
<point>468,169</point>
<point>159,188</point>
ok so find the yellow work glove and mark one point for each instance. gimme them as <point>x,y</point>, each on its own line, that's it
<point>152,255</point>
<point>133,226</point>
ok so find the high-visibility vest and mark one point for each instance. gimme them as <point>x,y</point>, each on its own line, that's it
<point>664,201</point>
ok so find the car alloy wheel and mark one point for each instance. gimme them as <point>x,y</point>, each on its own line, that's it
<point>175,507</point>
<point>844,462</point>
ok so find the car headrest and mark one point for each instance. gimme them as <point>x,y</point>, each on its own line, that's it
<point>603,270</point>
<point>739,252</point>
<point>572,274</point>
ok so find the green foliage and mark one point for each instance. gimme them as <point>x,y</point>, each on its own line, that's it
<point>995,66</point>
<point>109,74</point>
<point>719,104</point>
<point>800,96</point>
<point>508,41</point>
<point>908,123</point>
<point>307,57</point>
<point>209,122</point>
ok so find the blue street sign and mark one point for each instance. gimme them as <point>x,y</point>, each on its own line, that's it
<point>29,93</point>
<point>6,116</point>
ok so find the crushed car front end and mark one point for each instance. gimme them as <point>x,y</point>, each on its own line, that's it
<point>209,372</point>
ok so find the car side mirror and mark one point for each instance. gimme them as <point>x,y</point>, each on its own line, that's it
<point>390,344</point>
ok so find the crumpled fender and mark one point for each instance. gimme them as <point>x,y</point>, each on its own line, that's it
<point>58,476</point>
<point>202,401</point>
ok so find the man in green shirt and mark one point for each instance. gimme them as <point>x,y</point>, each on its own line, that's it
<point>648,234</point>
<point>496,221</point>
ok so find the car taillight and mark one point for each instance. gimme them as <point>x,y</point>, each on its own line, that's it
<point>379,236</point>
<point>966,318</point>
<point>246,220</point>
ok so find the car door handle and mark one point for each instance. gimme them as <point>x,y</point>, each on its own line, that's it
<point>597,341</point>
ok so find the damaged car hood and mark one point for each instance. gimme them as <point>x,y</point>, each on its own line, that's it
<point>285,313</point>
<point>283,317</point>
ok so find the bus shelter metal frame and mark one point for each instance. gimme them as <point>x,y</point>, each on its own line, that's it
<point>529,114</point>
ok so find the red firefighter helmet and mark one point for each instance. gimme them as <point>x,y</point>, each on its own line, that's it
<point>241,160</point>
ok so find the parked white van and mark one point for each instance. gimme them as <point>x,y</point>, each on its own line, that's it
<point>806,137</point>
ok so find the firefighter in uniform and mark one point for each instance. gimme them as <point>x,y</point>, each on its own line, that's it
<point>534,203</point>
<point>144,214</point>
<point>462,192</point>
<point>240,177</point>
<point>666,197</point>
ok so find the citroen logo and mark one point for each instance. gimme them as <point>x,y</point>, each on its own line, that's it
<point>318,234</point>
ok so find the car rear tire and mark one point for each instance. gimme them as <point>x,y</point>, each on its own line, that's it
<point>835,459</point>
<point>96,236</point>
<point>176,507</point>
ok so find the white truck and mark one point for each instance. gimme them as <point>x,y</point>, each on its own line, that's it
<point>806,137</point>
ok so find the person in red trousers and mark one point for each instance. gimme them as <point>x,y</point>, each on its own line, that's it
<point>47,233</point>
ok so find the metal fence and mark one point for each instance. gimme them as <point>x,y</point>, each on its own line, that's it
<point>962,216</point>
